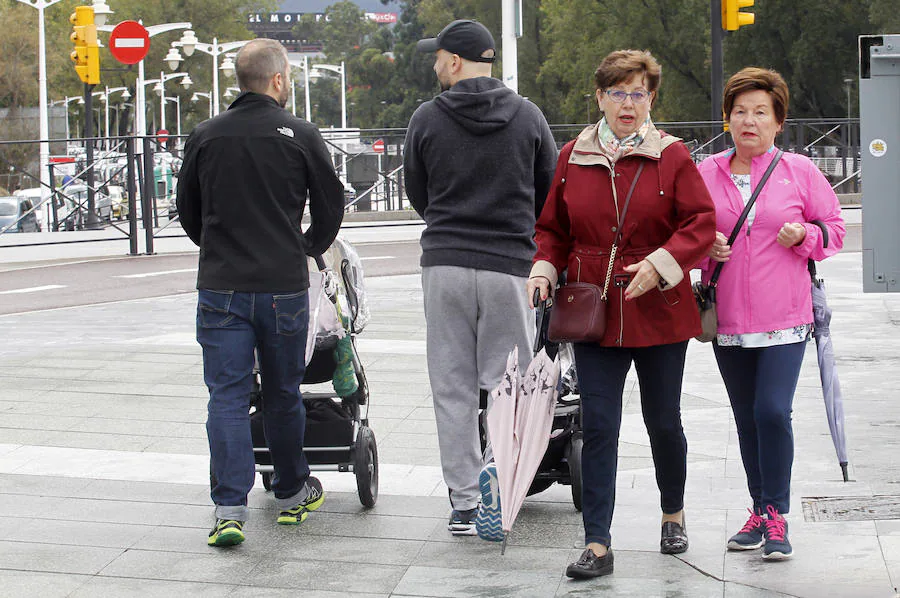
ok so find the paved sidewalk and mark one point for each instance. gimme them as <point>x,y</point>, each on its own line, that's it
<point>103,483</point>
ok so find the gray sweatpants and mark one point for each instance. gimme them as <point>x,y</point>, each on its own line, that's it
<point>474,319</point>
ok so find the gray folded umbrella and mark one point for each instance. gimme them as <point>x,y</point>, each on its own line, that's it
<point>831,386</point>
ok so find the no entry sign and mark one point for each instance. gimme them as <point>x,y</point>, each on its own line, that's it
<point>378,146</point>
<point>129,42</point>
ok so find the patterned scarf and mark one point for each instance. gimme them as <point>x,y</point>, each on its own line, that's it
<point>615,148</point>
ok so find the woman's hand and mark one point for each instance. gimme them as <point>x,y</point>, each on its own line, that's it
<point>645,278</point>
<point>720,250</point>
<point>791,234</point>
<point>539,283</point>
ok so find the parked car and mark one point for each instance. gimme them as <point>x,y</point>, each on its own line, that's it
<point>43,211</point>
<point>77,194</point>
<point>14,210</point>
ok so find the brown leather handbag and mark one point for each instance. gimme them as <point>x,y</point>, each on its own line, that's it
<point>705,294</point>
<point>579,310</point>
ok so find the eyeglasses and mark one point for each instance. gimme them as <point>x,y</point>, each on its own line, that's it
<point>618,96</point>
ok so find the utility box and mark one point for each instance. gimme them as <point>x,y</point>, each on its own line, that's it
<point>879,113</point>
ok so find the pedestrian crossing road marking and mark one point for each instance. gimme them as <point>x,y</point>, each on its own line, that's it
<point>48,287</point>
<point>163,273</point>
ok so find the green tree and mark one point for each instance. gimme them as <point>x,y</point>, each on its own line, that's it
<point>579,33</point>
<point>883,16</point>
<point>812,43</point>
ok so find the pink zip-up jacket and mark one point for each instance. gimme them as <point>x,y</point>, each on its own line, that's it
<point>765,286</point>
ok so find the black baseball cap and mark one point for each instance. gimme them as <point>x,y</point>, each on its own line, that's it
<point>468,39</point>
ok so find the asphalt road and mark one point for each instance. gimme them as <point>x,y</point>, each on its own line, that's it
<point>67,283</point>
<point>86,282</point>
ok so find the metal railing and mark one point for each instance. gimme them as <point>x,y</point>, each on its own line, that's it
<point>147,171</point>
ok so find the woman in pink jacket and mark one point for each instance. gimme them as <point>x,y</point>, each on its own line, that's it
<point>763,295</point>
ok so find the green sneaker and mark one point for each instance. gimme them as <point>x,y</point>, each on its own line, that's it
<point>314,499</point>
<point>227,532</point>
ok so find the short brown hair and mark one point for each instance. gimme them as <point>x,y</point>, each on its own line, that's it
<point>257,62</point>
<point>754,78</point>
<point>621,65</point>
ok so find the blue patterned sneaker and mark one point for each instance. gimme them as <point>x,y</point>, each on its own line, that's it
<point>488,522</point>
<point>778,547</point>
<point>751,535</point>
<point>462,523</point>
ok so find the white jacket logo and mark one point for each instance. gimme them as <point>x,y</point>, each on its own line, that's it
<point>285,131</point>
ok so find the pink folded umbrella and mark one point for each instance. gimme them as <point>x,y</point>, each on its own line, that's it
<point>519,424</point>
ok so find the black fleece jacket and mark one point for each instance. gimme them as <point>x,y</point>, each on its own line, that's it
<point>478,163</point>
<point>242,189</point>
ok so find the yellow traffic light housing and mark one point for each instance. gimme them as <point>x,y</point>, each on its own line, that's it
<point>732,17</point>
<point>86,55</point>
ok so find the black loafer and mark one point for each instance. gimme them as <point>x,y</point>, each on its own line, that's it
<point>674,539</point>
<point>590,565</point>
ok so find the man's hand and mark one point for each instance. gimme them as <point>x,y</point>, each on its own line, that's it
<point>791,234</point>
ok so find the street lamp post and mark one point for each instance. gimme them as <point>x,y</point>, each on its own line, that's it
<point>304,64</point>
<point>849,84</point>
<point>342,71</point>
<point>101,11</point>
<point>177,101</point>
<point>201,94</point>
<point>104,95</point>
<point>65,103</point>
<point>190,43</point>
<point>159,88</point>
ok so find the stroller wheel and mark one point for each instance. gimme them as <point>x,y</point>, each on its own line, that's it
<point>267,480</point>
<point>365,466</point>
<point>574,460</point>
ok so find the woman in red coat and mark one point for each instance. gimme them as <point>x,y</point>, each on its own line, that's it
<point>668,228</point>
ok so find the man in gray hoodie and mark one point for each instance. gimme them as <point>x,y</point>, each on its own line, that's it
<point>478,163</point>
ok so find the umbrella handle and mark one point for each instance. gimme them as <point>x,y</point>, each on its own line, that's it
<point>503,544</point>
<point>541,312</point>
<point>843,470</point>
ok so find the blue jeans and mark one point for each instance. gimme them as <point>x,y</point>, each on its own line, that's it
<point>761,384</point>
<point>230,325</point>
<point>601,378</point>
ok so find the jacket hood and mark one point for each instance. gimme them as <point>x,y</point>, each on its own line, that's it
<point>481,105</point>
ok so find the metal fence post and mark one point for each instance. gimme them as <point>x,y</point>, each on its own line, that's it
<point>53,199</point>
<point>131,190</point>
<point>148,194</point>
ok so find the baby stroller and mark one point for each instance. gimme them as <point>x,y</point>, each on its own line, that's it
<point>338,436</point>
<point>562,460</point>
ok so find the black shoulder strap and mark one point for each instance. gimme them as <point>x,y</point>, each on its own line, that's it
<point>737,227</point>
<point>634,181</point>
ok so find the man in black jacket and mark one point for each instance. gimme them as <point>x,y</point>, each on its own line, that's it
<point>478,163</point>
<point>242,190</point>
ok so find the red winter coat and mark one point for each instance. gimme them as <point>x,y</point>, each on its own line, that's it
<point>670,222</point>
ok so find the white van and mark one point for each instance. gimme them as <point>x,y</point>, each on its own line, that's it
<point>43,213</point>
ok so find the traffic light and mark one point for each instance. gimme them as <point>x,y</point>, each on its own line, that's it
<point>86,55</point>
<point>732,17</point>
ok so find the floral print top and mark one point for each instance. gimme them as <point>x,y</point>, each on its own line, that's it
<point>787,336</point>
